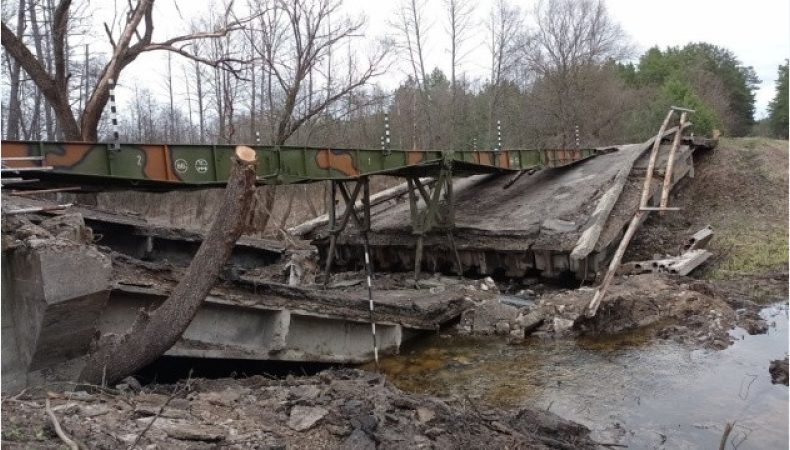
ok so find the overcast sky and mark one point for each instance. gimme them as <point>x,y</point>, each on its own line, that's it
<point>757,31</point>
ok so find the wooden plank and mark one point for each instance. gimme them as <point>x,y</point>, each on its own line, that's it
<point>671,164</point>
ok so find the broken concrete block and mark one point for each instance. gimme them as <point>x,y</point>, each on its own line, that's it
<point>303,418</point>
<point>190,432</point>
<point>425,415</point>
<point>53,294</point>
<point>69,226</point>
<point>562,325</point>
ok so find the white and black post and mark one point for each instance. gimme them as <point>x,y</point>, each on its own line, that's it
<point>368,263</point>
<point>498,135</point>
<point>387,149</point>
<point>116,145</point>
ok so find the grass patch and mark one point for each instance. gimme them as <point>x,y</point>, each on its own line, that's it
<point>749,251</point>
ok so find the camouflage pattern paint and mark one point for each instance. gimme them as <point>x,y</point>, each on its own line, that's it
<point>189,166</point>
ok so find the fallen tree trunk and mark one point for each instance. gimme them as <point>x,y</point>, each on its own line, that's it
<point>375,199</point>
<point>154,332</point>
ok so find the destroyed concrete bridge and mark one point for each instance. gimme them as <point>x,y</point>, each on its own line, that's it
<point>511,213</point>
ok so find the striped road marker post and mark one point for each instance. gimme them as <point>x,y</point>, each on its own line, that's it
<point>116,144</point>
<point>369,266</point>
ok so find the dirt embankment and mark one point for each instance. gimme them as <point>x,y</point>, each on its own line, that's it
<point>741,190</point>
<point>334,409</point>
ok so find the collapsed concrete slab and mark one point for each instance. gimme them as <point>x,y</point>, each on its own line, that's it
<point>60,292</point>
<point>554,223</point>
<point>253,319</point>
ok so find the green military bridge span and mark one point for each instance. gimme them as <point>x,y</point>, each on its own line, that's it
<point>103,166</point>
<point>186,166</point>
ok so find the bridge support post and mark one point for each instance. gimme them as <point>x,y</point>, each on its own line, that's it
<point>438,213</point>
<point>363,225</point>
<point>360,191</point>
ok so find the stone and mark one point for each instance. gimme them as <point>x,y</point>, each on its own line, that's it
<point>502,328</point>
<point>133,384</point>
<point>338,430</point>
<point>562,325</point>
<point>81,396</point>
<point>489,282</point>
<point>358,440</point>
<point>755,326</point>
<point>151,410</point>
<point>303,418</point>
<point>179,403</point>
<point>69,226</point>
<point>779,371</point>
<point>425,415</point>
<point>434,432</point>
<point>365,422</point>
<point>223,398</point>
<point>190,432</point>
<point>66,409</point>
<point>309,392</point>
<point>93,410</point>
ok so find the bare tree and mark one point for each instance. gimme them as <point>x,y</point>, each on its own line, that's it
<point>573,33</point>
<point>295,40</point>
<point>503,25</point>
<point>459,26</point>
<point>412,29</point>
<point>54,86</point>
<point>14,106</point>
<point>571,39</point>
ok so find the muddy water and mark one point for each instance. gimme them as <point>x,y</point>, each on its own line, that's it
<point>629,389</point>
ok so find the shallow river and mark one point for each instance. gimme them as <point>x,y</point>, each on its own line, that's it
<point>628,390</point>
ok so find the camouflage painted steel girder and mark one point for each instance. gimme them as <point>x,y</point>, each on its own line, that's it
<point>174,166</point>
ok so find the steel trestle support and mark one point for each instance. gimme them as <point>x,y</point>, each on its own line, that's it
<point>363,225</point>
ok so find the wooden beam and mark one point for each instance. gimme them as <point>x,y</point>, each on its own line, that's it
<point>671,164</point>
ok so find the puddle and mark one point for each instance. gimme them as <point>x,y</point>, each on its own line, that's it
<point>628,389</point>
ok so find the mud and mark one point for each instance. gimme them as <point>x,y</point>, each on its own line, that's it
<point>681,309</point>
<point>334,409</point>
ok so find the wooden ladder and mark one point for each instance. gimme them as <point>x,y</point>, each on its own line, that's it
<point>644,209</point>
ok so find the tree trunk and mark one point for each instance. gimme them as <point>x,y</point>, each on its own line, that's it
<point>154,332</point>
<point>14,105</point>
<point>200,103</point>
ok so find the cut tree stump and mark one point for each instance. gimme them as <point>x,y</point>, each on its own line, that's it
<point>154,332</point>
